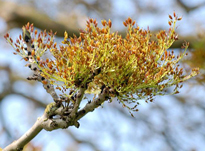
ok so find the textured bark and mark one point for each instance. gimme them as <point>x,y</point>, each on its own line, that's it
<point>51,123</point>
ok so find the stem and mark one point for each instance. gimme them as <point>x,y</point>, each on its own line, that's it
<point>44,122</point>
<point>89,107</point>
<point>26,137</point>
<point>78,101</point>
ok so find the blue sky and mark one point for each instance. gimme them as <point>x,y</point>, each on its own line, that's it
<point>15,107</point>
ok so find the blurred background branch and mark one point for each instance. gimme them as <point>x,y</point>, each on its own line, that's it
<point>68,16</point>
<point>170,123</point>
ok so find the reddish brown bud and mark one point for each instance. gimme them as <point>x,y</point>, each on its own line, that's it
<point>88,23</point>
<point>55,45</point>
<point>26,58</point>
<point>44,82</point>
<point>129,20</point>
<point>11,40</point>
<point>133,23</point>
<point>79,39</point>
<point>174,14</point>
<point>49,65</point>
<point>103,22</point>
<point>35,32</point>
<point>109,23</point>
<point>38,58</point>
<point>27,26</point>
<point>17,41</point>
<point>180,18</point>
<point>94,21</point>
<point>6,36</point>
<point>48,46</point>
<point>125,24</point>
<point>32,52</point>
<point>91,20</point>
<point>82,35</point>
<point>176,92</point>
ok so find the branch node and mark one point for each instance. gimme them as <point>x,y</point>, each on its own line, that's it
<point>76,124</point>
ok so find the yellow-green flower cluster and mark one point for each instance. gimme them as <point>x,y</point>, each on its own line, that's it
<point>134,67</point>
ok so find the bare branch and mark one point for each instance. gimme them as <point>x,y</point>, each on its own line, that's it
<point>78,98</point>
<point>27,137</point>
<point>90,106</point>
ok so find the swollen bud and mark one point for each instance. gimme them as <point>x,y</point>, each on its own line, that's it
<point>26,35</point>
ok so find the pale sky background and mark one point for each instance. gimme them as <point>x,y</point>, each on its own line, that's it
<point>15,107</point>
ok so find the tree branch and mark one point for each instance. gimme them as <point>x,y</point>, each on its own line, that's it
<point>90,106</point>
<point>77,102</point>
<point>17,15</point>
<point>42,122</point>
<point>27,137</point>
<point>49,121</point>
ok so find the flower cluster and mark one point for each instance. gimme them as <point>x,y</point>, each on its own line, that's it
<point>138,66</point>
